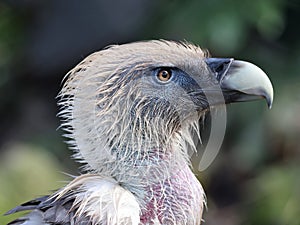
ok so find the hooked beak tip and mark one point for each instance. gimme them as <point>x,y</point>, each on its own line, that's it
<point>249,80</point>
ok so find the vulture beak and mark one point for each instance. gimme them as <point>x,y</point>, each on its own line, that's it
<point>241,81</point>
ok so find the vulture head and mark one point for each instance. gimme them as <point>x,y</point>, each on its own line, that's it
<point>129,102</point>
<point>131,113</point>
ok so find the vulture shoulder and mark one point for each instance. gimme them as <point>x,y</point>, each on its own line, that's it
<point>80,203</point>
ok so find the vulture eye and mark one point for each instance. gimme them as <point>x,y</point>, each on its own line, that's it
<point>164,75</point>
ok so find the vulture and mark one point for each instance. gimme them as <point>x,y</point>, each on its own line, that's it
<point>130,113</point>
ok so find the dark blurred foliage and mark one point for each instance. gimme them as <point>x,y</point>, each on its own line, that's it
<point>256,177</point>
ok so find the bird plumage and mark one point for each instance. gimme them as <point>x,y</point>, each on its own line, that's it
<point>133,132</point>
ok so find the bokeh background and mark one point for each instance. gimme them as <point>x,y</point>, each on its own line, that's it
<point>255,179</point>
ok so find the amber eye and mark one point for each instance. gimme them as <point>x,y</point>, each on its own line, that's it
<point>164,75</point>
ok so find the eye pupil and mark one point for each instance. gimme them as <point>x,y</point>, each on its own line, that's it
<point>164,75</point>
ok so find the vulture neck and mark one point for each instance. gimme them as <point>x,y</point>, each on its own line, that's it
<point>149,158</point>
<point>163,184</point>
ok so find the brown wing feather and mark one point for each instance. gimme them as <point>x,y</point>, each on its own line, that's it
<point>48,211</point>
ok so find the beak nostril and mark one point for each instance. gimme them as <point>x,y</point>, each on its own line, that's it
<point>219,66</point>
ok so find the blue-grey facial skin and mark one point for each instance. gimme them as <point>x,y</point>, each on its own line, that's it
<point>182,89</point>
<point>186,83</point>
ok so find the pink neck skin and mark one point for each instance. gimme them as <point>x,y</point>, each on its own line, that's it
<point>175,200</point>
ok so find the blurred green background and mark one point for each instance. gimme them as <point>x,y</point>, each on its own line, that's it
<point>255,179</point>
